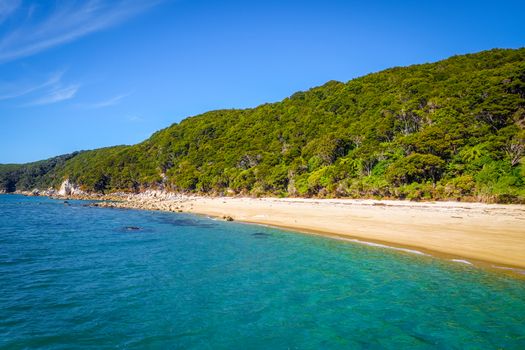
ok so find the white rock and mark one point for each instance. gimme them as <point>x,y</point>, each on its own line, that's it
<point>67,188</point>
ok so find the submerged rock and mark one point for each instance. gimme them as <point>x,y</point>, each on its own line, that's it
<point>261,234</point>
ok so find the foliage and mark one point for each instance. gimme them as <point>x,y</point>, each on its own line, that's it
<point>415,168</point>
<point>453,129</point>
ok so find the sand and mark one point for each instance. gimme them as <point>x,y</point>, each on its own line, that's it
<point>463,232</point>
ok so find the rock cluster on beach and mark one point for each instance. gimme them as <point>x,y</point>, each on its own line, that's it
<point>147,200</point>
<point>138,201</point>
<point>50,192</point>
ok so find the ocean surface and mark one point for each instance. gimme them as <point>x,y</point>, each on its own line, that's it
<point>76,277</point>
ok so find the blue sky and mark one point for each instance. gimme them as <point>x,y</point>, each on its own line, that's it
<point>90,74</point>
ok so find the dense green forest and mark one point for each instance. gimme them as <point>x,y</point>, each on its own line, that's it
<point>454,129</point>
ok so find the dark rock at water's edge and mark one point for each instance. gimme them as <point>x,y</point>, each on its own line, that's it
<point>101,204</point>
<point>261,234</point>
<point>178,221</point>
<point>134,229</point>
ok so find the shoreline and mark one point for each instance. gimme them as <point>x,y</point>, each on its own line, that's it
<point>488,235</point>
<point>510,265</point>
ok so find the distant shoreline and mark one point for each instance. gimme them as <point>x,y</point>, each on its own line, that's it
<point>492,235</point>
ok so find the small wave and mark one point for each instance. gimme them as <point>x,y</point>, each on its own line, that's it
<point>406,250</point>
<point>513,269</point>
<point>461,261</point>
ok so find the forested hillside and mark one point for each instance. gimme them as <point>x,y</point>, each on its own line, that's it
<point>41,174</point>
<point>454,129</point>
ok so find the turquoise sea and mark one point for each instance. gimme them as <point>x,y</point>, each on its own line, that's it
<point>75,277</point>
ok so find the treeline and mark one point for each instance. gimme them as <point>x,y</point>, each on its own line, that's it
<point>41,174</point>
<point>453,129</point>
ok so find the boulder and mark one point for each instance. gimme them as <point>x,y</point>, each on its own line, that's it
<point>68,188</point>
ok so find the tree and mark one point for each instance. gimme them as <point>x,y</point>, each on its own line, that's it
<point>415,168</point>
<point>515,150</point>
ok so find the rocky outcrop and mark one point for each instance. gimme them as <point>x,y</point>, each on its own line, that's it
<point>68,189</point>
<point>157,195</point>
<point>49,192</point>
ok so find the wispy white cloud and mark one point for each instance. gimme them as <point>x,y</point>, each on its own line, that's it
<point>135,118</point>
<point>20,89</point>
<point>56,95</point>
<point>63,23</point>
<point>115,100</point>
<point>46,90</point>
<point>7,8</point>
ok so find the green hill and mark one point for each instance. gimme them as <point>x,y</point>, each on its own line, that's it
<point>453,129</point>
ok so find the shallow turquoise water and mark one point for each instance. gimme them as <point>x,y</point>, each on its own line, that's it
<point>76,277</point>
